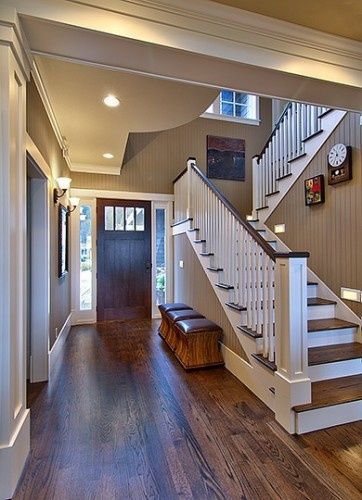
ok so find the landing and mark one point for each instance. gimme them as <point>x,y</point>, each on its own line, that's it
<point>121,419</point>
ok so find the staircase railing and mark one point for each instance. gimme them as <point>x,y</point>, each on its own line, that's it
<point>269,289</point>
<point>298,123</point>
<point>246,259</point>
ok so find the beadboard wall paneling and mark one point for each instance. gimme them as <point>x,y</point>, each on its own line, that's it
<point>193,288</point>
<point>40,130</point>
<point>153,160</point>
<point>331,232</point>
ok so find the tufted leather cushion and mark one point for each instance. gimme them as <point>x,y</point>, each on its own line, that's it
<point>173,306</point>
<point>183,314</point>
<point>197,325</point>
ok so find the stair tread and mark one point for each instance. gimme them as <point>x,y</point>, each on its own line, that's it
<point>206,254</point>
<point>269,364</point>
<point>199,241</point>
<point>317,301</point>
<point>312,283</point>
<point>333,392</point>
<point>316,325</point>
<point>193,229</point>
<point>334,353</point>
<point>249,332</point>
<point>215,269</point>
<point>237,307</point>
<point>224,286</point>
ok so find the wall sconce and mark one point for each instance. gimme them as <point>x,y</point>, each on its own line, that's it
<point>63,185</point>
<point>73,202</point>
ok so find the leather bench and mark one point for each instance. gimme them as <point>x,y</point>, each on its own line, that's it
<point>198,343</point>
<point>164,309</point>
<point>171,336</point>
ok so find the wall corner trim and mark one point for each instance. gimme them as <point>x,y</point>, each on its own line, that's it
<point>59,343</point>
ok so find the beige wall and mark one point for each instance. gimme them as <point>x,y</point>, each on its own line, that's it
<point>153,160</point>
<point>331,232</point>
<point>193,288</point>
<point>40,130</point>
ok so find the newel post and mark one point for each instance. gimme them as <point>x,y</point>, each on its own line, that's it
<point>256,187</point>
<point>292,382</point>
<point>190,163</point>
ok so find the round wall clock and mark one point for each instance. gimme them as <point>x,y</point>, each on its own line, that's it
<point>339,163</point>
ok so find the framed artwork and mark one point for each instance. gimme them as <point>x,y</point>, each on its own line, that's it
<point>62,241</point>
<point>314,190</point>
<point>225,158</point>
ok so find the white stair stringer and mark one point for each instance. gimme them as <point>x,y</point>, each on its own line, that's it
<point>253,374</point>
<point>328,123</point>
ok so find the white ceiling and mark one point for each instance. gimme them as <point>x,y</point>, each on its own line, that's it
<point>91,128</point>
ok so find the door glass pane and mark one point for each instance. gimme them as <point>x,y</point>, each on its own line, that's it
<point>140,219</point>
<point>108,218</point>
<point>119,219</point>
<point>129,219</point>
<point>85,235</point>
<point>160,256</point>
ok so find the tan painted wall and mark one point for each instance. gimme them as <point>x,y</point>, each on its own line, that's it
<point>193,288</point>
<point>331,232</point>
<point>153,160</point>
<point>40,130</point>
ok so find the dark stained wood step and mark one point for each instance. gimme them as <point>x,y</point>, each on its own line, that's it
<point>237,307</point>
<point>317,325</point>
<point>206,254</point>
<point>306,139</point>
<point>224,286</point>
<point>252,220</point>
<point>325,112</point>
<point>193,229</point>
<point>312,283</point>
<point>334,353</point>
<point>297,157</point>
<point>272,194</point>
<point>249,332</point>
<point>265,361</point>
<point>215,269</point>
<point>283,177</point>
<point>333,392</point>
<point>263,208</point>
<point>261,230</point>
<point>317,301</point>
<point>181,221</point>
<point>199,241</point>
<point>272,390</point>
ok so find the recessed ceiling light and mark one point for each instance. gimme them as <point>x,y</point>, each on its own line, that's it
<point>109,156</point>
<point>111,101</point>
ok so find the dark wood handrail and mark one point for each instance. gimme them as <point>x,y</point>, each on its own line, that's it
<point>181,174</point>
<point>275,129</point>
<point>253,232</point>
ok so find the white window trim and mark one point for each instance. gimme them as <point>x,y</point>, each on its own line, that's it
<point>216,115</point>
<point>89,197</point>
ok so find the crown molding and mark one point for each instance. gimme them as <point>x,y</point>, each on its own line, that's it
<point>121,195</point>
<point>49,111</point>
<point>95,169</point>
<point>211,29</point>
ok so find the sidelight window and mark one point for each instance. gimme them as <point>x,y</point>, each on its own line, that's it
<point>85,234</point>
<point>160,256</point>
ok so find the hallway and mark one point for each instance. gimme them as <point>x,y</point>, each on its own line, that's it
<point>121,419</point>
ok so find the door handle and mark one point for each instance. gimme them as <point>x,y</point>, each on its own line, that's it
<point>148,265</point>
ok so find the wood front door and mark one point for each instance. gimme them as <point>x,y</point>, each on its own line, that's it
<point>123,259</point>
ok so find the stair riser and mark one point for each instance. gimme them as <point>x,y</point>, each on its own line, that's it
<point>330,416</point>
<point>335,370</point>
<point>331,337</point>
<point>312,291</point>
<point>321,312</point>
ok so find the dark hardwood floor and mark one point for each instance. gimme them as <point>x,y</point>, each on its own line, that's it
<point>120,419</point>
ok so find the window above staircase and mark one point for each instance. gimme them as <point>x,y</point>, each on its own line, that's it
<point>231,105</point>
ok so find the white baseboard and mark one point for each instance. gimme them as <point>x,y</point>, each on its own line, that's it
<point>258,381</point>
<point>13,457</point>
<point>322,418</point>
<point>59,343</point>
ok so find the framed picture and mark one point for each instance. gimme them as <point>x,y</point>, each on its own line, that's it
<point>62,241</point>
<point>314,190</point>
<point>225,158</point>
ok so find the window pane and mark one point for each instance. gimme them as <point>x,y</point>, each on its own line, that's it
<point>241,98</point>
<point>119,219</point>
<point>160,256</point>
<point>227,109</point>
<point>129,219</point>
<point>108,218</point>
<point>227,95</point>
<point>140,219</point>
<point>241,111</point>
<point>85,235</point>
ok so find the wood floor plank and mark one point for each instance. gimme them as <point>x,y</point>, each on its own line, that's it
<point>120,419</point>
